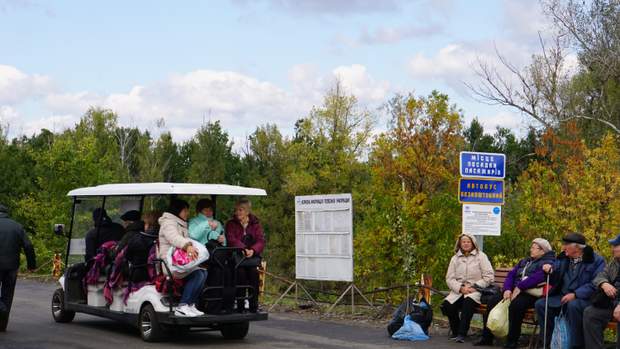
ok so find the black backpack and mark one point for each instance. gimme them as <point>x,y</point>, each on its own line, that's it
<point>420,312</point>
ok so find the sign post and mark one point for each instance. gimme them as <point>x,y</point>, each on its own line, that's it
<point>481,192</point>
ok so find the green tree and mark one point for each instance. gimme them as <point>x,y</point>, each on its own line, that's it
<point>211,157</point>
<point>267,160</point>
<point>328,145</point>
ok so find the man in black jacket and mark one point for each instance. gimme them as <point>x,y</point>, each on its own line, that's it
<point>104,230</point>
<point>12,240</point>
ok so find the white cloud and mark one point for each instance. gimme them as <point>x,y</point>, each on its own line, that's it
<point>72,102</point>
<point>453,65</point>
<point>389,35</point>
<point>383,35</point>
<point>185,100</point>
<point>7,114</point>
<point>16,86</point>
<point>503,118</point>
<point>309,85</point>
<point>524,20</point>
<point>456,64</point>
<point>357,81</point>
<point>240,102</point>
<point>451,60</point>
<point>56,123</point>
<point>334,7</point>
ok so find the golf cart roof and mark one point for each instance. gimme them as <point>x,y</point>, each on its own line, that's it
<point>131,189</point>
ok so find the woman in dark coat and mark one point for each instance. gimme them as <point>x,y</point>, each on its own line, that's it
<point>245,231</point>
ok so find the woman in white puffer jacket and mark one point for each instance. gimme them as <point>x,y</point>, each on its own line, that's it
<point>173,233</point>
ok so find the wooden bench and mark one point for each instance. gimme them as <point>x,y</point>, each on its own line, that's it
<point>530,317</point>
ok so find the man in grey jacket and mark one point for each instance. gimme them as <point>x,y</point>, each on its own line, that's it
<point>605,305</point>
<point>12,240</point>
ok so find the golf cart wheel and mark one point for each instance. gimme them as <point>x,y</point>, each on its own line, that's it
<point>59,312</point>
<point>235,331</point>
<point>148,325</point>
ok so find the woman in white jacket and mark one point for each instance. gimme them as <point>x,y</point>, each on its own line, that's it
<point>173,233</point>
<point>468,267</point>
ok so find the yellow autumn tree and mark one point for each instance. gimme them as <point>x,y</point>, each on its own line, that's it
<point>413,215</point>
<point>573,188</point>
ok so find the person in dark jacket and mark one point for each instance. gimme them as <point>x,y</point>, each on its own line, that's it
<point>523,287</point>
<point>132,229</point>
<point>139,246</point>
<point>130,217</point>
<point>605,303</point>
<point>104,230</point>
<point>571,282</point>
<point>13,239</point>
<point>245,231</point>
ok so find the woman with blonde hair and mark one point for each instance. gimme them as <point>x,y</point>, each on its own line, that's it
<point>245,231</point>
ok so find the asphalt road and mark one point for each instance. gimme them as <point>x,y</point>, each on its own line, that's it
<point>31,326</point>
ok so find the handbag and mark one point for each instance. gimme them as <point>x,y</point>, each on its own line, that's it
<point>487,293</point>
<point>498,319</point>
<point>539,291</point>
<point>189,267</point>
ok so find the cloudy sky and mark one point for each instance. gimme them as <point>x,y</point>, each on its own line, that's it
<point>247,62</point>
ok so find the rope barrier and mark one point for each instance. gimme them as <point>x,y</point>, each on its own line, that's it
<point>57,265</point>
<point>370,292</point>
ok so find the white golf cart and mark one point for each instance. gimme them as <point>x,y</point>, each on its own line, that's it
<point>147,309</point>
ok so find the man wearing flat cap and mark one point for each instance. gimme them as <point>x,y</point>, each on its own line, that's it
<point>604,302</point>
<point>572,287</point>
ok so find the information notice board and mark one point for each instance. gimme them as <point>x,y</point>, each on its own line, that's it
<point>482,219</point>
<point>324,237</point>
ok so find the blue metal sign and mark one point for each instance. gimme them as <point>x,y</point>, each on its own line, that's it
<point>483,165</point>
<point>481,191</point>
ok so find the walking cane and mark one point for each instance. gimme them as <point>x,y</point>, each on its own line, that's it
<point>546,307</point>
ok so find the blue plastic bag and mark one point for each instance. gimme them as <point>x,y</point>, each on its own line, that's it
<point>560,338</point>
<point>410,331</point>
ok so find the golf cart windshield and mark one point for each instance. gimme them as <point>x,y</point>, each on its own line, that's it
<point>84,220</point>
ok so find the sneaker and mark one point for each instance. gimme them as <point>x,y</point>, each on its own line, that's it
<point>184,311</point>
<point>194,310</point>
<point>452,338</point>
<point>459,339</point>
